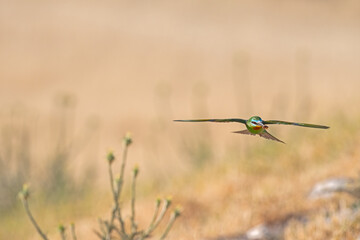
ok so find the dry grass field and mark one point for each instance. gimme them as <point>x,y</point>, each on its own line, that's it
<point>75,76</point>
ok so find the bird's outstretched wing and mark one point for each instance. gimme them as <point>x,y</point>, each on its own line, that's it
<point>295,124</point>
<point>267,135</point>
<point>245,132</point>
<point>239,120</point>
<point>264,134</point>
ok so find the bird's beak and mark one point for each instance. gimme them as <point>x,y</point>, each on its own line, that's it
<point>263,125</point>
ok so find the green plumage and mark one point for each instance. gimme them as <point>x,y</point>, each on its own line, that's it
<point>256,126</point>
<point>295,124</point>
<point>239,120</point>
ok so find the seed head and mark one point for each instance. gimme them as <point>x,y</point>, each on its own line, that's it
<point>158,201</point>
<point>61,228</point>
<point>127,139</point>
<point>110,157</point>
<point>177,211</point>
<point>168,201</point>
<point>24,194</point>
<point>136,170</point>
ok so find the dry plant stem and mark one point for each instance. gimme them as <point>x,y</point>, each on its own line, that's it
<point>115,198</point>
<point>122,224</point>
<point>156,213</point>
<point>122,235</point>
<point>99,235</point>
<point>133,191</point>
<point>113,190</point>
<point>168,227</point>
<point>28,212</point>
<point>73,234</point>
<point>62,234</point>
<point>116,191</point>
<point>122,170</point>
<point>107,227</point>
<point>108,230</point>
<point>162,214</point>
<point>156,222</point>
<point>119,187</point>
<point>101,225</point>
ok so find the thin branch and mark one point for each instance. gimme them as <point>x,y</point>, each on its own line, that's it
<point>121,234</point>
<point>163,211</point>
<point>62,234</point>
<point>133,196</point>
<point>126,143</point>
<point>101,226</point>
<point>121,221</point>
<point>156,213</point>
<point>173,217</point>
<point>99,235</point>
<point>28,212</point>
<point>154,224</point>
<point>115,197</point>
<point>115,192</point>
<point>73,233</point>
<point>62,231</point>
<point>108,230</point>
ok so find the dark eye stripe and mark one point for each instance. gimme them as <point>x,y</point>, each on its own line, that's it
<point>253,122</point>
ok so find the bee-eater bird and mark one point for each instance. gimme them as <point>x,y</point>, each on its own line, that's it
<point>256,126</point>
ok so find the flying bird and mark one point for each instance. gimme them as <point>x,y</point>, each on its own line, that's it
<point>256,126</point>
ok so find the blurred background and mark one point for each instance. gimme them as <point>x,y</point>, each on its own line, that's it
<point>75,76</point>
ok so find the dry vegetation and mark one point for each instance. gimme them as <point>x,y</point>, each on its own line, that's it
<point>76,75</point>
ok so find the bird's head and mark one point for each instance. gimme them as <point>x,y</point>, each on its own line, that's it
<point>256,123</point>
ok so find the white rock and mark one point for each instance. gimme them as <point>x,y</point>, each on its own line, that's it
<point>327,188</point>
